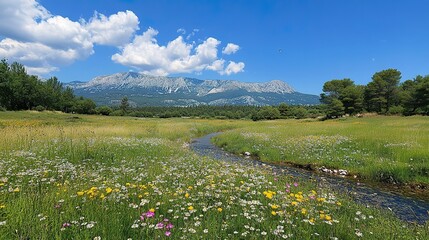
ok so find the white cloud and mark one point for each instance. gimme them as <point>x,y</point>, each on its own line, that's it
<point>44,42</point>
<point>217,66</point>
<point>115,30</point>
<point>181,31</point>
<point>145,54</point>
<point>230,49</point>
<point>234,67</point>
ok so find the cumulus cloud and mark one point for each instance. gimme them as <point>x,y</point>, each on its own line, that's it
<point>230,49</point>
<point>115,30</point>
<point>43,42</point>
<point>149,57</point>
<point>234,67</point>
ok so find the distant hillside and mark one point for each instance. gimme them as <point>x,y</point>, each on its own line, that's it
<point>145,90</point>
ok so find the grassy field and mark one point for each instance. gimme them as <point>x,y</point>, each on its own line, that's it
<point>91,177</point>
<point>378,149</point>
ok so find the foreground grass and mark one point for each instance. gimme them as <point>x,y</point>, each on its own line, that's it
<point>87,177</point>
<point>379,149</point>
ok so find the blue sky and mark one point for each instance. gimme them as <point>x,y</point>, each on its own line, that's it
<point>302,42</point>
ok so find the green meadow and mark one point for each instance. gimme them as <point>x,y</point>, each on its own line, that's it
<point>66,176</point>
<point>393,150</point>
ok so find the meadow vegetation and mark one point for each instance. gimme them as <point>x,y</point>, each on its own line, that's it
<point>68,176</point>
<point>378,149</point>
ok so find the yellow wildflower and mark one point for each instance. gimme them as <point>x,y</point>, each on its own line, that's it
<point>186,195</point>
<point>219,209</point>
<point>328,218</point>
<point>294,203</point>
<point>304,211</point>
<point>16,189</point>
<point>80,193</point>
<point>274,213</point>
<point>109,190</point>
<point>152,210</point>
<point>274,206</point>
<point>190,208</point>
<point>2,206</point>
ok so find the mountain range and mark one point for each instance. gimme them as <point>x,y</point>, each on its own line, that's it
<point>146,90</point>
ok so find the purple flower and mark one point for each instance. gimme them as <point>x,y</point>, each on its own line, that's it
<point>167,233</point>
<point>65,225</point>
<point>150,214</point>
<point>159,225</point>
<point>295,184</point>
<point>169,226</point>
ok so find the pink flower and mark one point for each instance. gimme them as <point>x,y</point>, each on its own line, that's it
<point>150,214</point>
<point>169,226</point>
<point>159,225</point>
<point>167,233</point>
<point>295,184</point>
<point>66,225</point>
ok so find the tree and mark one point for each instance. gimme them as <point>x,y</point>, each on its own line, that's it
<point>284,109</point>
<point>383,92</point>
<point>268,113</point>
<point>335,109</point>
<point>414,95</point>
<point>124,105</point>
<point>349,94</point>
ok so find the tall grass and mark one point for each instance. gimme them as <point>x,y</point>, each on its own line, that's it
<point>90,177</point>
<point>383,149</point>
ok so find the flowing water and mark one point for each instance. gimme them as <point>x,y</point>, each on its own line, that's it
<point>405,208</point>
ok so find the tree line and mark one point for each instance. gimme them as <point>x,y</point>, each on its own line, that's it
<point>21,91</point>
<point>384,94</point>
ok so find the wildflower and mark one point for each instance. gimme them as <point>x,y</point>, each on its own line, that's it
<point>169,226</point>
<point>295,184</point>
<point>274,206</point>
<point>80,193</point>
<point>159,225</point>
<point>16,189</point>
<point>190,208</point>
<point>274,213</point>
<point>294,203</point>
<point>135,225</point>
<point>328,218</point>
<point>109,190</point>
<point>304,211</point>
<point>66,225</point>
<point>2,206</point>
<point>97,238</point>
<point>150,214</point>
<point>167,233</point>
<point>269,194</point>
<point>187,195</point>
<point>2,223</point>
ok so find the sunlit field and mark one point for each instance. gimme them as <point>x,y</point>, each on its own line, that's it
<point>90,177</point>
<point>379,149</point>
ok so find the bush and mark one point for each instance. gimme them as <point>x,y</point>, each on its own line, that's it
<point>39,108</point>
<point>395,110</point>
<point>117,113</point>
<point>2,109</point>
<point>104,110</point>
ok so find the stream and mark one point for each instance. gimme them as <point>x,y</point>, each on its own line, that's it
<point>405,208</point>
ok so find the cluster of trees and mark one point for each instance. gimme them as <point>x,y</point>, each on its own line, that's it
<point>20,91</point>
<point>384,95</point>
<point>220,112</point>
